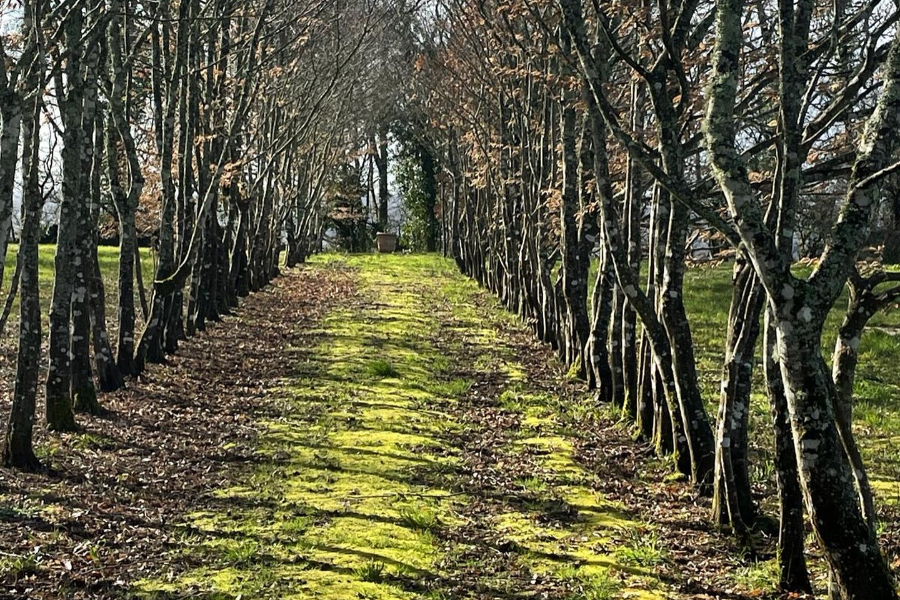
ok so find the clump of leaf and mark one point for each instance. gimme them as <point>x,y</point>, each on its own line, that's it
<point>419,519</point>
<point>598,587</point>
<point>382,369</point>
<point>371,572</point>
<point>17,567</point>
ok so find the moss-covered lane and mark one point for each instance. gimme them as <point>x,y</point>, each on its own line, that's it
<point>411,458</point>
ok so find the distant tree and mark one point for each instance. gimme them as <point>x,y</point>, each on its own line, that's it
<point>346,212</point>
<point>416,179</point>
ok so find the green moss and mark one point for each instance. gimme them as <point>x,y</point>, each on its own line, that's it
<point>338,511</point>
<point>345,503</point>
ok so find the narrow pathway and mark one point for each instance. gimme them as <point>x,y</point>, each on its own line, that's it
<point>423,448</point>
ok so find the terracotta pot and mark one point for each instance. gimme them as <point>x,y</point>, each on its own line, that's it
<point>386,242</point>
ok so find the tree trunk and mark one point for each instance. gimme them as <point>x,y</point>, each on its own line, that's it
<point>84,392</point>
<point>792,561</point>
<point>11,115</point>
<point>381,163</point>
<point>597,349</point>
<point>852,549</point>
<point>732,500</point>
<point>17,449</point>
<point>108,374</point>
<point>59,406</point>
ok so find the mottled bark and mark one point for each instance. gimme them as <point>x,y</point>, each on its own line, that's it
<point>108,375</point>
<point>573,271</point>
<point>670,294</point>
<point>58,391</point>
<point>863,304</point>
<point>127,260</point>
<point>597,348</point>
<point>84,391</point>
<point>119,130</point>
<point>733,504</point>
<point>852,551</point>
<point>793,575</point>
<point>165,101</point>
<point>12,294</point>
<point>17,449</point>
<point>633,210</point>
<point>11,116</point>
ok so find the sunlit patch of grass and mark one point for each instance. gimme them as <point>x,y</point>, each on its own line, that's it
<point>598,586</point>
<point>93,441</point>
<point>295,526</point>
<point>510,400</point>
<point>48,450</point>
<point>441,365</point>
<point>535,485</point>
<point>451,389</point>
<point>108,257</point>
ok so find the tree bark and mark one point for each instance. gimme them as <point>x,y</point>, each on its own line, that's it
<point>17,450</point>
<point>733,504</point>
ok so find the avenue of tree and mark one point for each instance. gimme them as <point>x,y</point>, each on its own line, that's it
<point>538,138</point>
<point>570,130</point>
<point>224,121</point>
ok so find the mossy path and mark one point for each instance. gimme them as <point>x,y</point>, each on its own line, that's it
<point>423,448</point>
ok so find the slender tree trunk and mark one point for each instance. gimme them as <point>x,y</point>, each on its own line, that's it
<point>126,204</point>
<point>11,115</point>
<point>381,163</point>
<point>127,262</point>
<point>17,450</point>
<point>791,558</point>
<point>732,501</point>
<point>863,305</point>
<point>108,375</point>
<point>59,406</point>
<point>84,391</point>
<point>597,343</point>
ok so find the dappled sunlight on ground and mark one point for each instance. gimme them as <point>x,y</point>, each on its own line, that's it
<point>376,480</point>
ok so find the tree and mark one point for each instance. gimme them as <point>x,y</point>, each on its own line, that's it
<point>17,450</point>
<point>799,309</point>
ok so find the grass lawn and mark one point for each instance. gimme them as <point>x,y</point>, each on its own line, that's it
<point>109,266</point>
<point>877,411</point>
<point>707,296</point>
